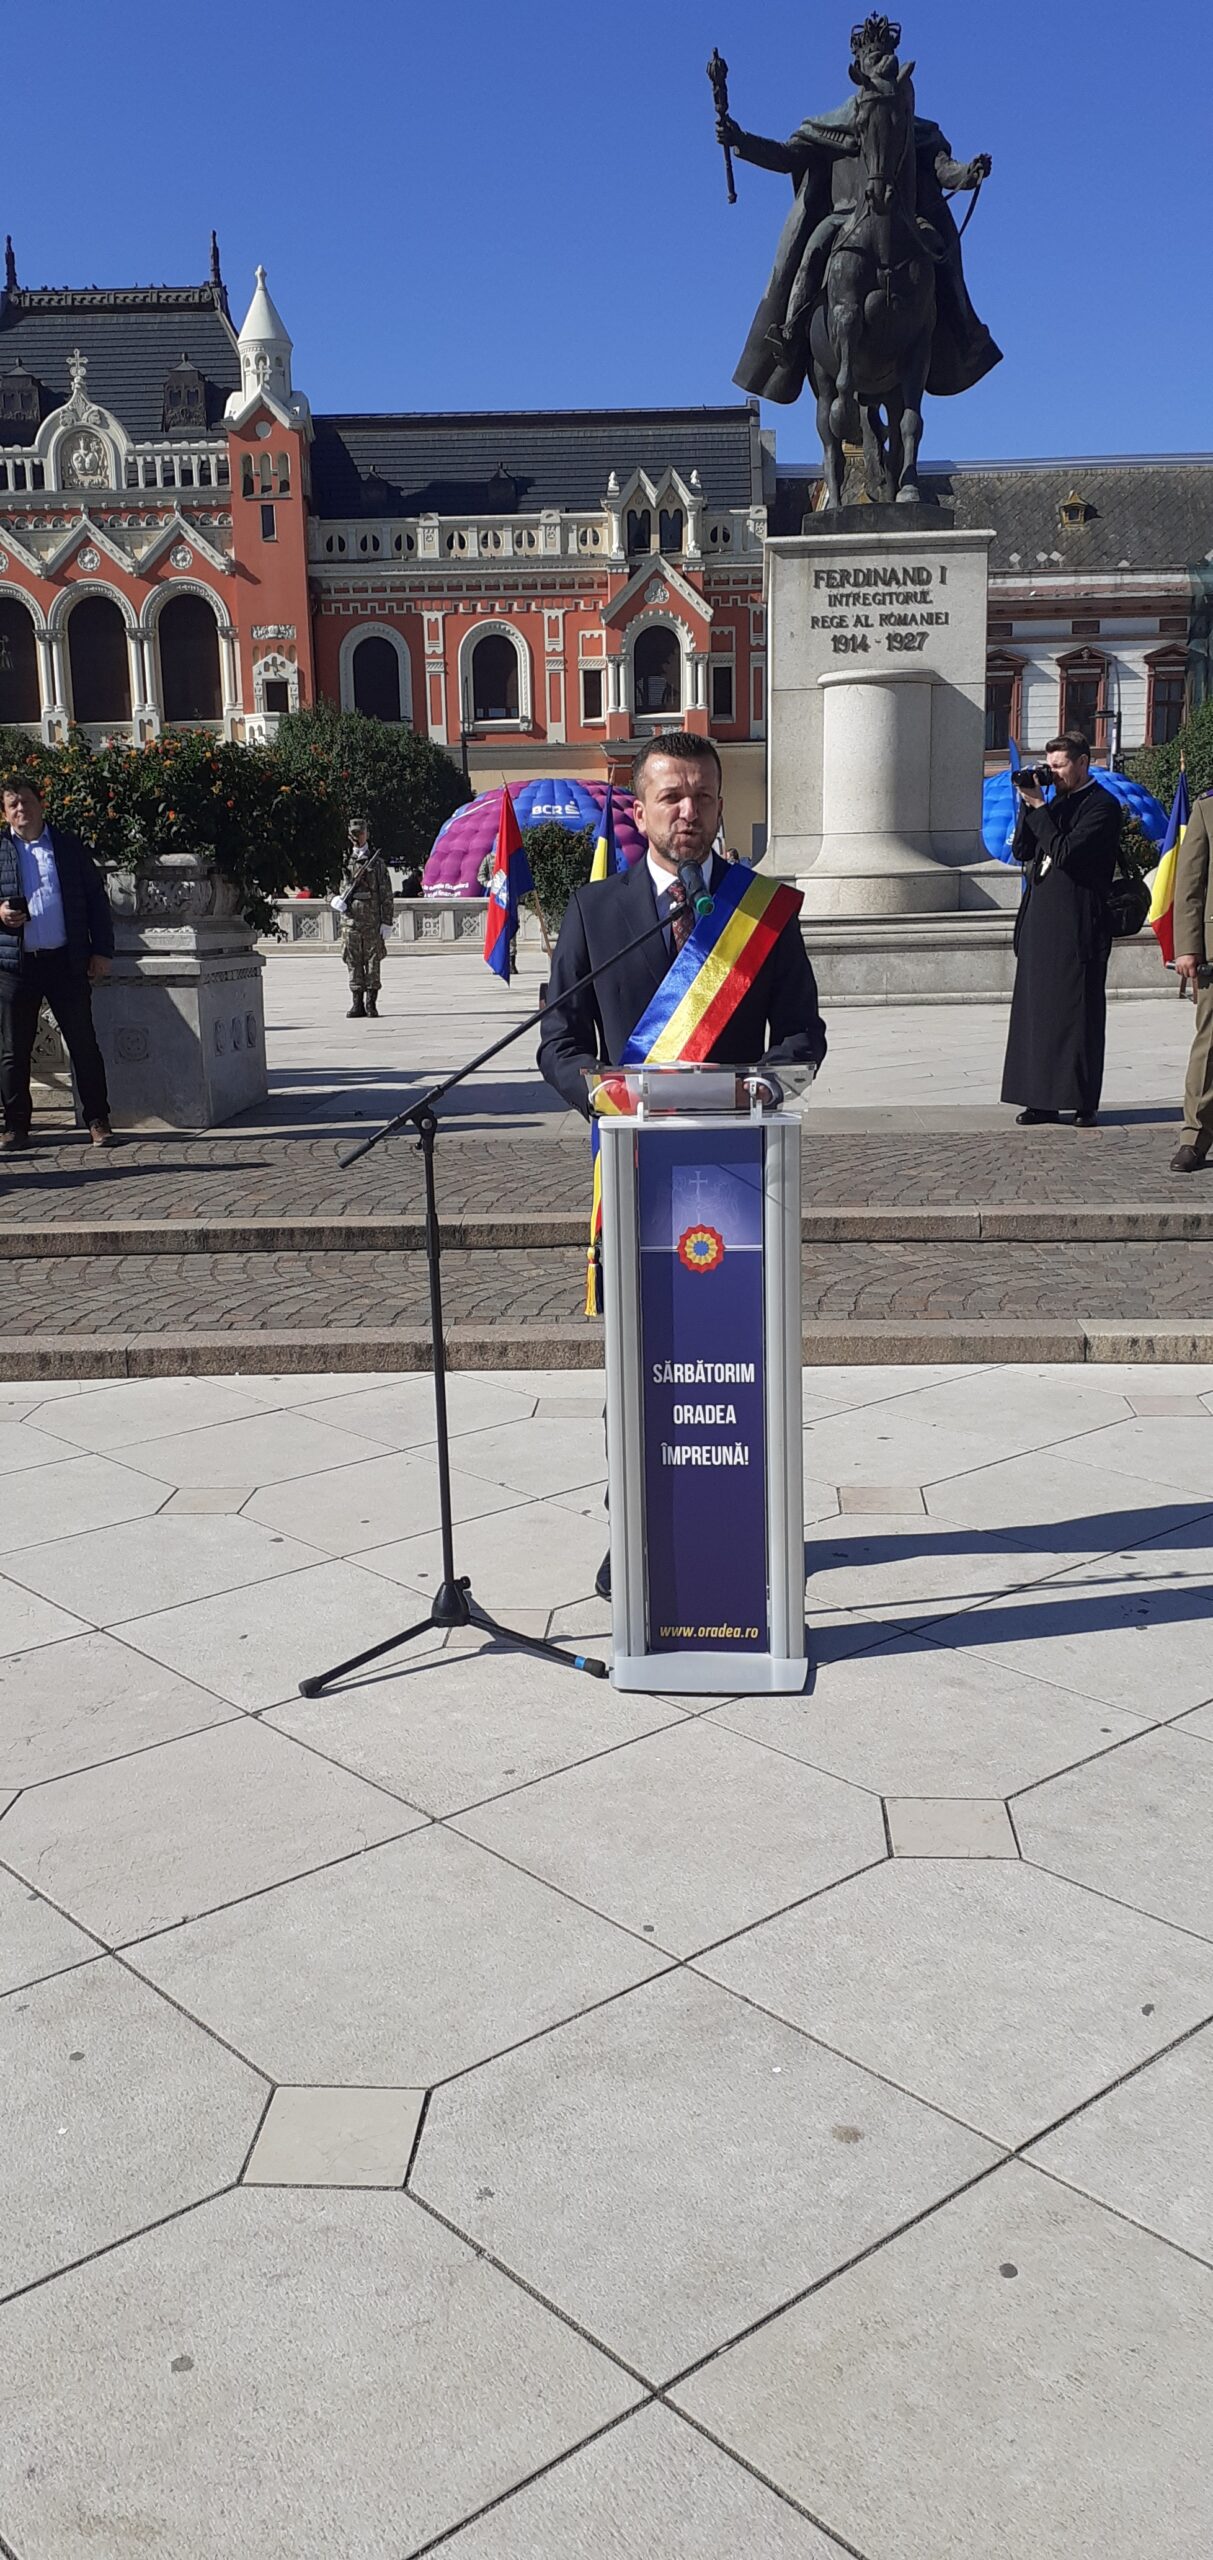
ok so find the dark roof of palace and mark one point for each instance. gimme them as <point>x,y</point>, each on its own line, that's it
<point>132,336</point>
<point>434,465</point>
<point>1149,513</point>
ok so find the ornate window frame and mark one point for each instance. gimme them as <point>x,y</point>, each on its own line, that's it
<point>58,620</point>
<point>359,632</point>
<point>38,624</point>
<point>488,626</point>
<point>1170,659</point>
<point>661,617</point>
<point>274,668</point>
<point>1084,663</point>
<point>149,629</point>
<point>1004,663</point>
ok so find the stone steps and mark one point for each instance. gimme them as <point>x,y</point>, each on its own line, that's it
<point>940,1297</point>
<point>1045,1223</point>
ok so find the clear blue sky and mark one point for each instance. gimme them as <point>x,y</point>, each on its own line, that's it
<point>472,207</point>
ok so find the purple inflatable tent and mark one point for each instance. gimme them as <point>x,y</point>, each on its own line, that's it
<point>460,846</point>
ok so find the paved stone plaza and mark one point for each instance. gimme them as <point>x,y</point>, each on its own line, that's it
<point>934,1227</point>
<point>480,2108</point>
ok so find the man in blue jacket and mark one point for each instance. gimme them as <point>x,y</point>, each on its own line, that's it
<point>56,940</point>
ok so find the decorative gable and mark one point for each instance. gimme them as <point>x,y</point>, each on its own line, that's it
<point>184,407</point>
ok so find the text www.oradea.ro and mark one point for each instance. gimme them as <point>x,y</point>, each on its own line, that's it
<point>703,1635</point>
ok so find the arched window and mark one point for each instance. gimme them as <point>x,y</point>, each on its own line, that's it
<point>246,475</point>
<point>19,701</point>
<point>189,660</point>
<point>284,475</point>
<point>657,670</point>
<point>640,529</point>
<point>377,678</point>
<point>494,678</point>
<point>670,529</point>
<point>97,655</point>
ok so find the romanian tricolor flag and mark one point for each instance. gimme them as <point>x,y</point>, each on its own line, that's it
<point>511,881</point>
<point>607,857</point>
<point>1162,895</point>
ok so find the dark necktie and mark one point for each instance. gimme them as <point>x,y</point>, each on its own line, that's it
<point>681,920</point>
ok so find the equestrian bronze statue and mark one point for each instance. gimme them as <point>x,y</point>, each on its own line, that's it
<point>867,301</point>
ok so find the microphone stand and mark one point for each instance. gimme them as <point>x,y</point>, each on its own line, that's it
<point>453,1604</point>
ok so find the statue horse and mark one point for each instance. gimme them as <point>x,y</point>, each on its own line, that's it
<point>871,331</point>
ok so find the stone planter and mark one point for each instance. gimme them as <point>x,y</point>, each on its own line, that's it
<point>181,1022</point>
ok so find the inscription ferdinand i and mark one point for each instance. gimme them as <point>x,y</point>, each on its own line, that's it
<point>873,608</point>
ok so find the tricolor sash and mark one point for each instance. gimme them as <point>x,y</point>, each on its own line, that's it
<point>698,996</point>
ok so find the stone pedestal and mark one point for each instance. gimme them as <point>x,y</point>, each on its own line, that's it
<point>877,652</point>
<point>181,1022</point>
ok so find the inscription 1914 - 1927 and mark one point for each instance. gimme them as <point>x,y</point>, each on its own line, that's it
<point>872,607</point>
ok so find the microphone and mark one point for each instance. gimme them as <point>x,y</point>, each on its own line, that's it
<point>698,896</point>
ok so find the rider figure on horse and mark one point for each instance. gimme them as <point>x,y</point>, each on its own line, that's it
<point>822,159</point>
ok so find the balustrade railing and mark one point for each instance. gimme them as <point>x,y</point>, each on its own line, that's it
<point>311,924</point>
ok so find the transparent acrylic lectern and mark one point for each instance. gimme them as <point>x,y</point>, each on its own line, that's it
<point>701,1287</point>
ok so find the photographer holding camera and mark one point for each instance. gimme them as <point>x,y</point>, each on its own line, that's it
<point>1063,934</point>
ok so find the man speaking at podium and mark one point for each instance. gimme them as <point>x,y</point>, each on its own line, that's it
<point>733,988</point>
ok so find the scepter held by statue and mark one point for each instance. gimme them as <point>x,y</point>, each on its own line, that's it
<point>718,74</point>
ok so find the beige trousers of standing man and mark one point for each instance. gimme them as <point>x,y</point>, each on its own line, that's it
<point>1198,1086</point>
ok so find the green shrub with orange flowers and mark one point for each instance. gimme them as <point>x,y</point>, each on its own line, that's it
<point>266,825</point>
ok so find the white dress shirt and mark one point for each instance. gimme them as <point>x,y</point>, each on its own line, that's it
<point>669,879</point>
<point>46,924</point>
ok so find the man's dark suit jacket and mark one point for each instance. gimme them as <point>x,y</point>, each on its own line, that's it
<point>777,1023</point>
<point>86,908</point>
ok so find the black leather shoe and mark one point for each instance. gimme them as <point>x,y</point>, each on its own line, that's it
<point>1033,1119</point>
<point>602,1579</point>
<point>1186,1160</point>
<point>1085,1119</point>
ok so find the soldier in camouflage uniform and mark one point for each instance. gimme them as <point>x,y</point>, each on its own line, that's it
<point>366,895</point>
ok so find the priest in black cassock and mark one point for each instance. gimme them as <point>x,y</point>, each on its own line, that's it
<point>1063,935</point>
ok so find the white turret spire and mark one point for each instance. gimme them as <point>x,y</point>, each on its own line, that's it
<point>265,348</point>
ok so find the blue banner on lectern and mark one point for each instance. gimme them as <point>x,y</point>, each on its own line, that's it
<point>703,1396</point>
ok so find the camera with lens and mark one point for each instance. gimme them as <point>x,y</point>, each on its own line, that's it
<point>1032,777</point>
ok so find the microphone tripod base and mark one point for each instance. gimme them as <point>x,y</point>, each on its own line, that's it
<point>453,1606</point>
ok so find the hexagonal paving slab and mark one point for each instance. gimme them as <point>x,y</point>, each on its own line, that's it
<point>118,2111</point>
<point>650,2485</point>
<point>687,1835</point>
<point>449,1728</point>
<point>1147,2148</point>
<point>917,1718</point>
<point>395,1968</point>
<point>1137,1824</point>
<point>282,2371</point>
<point>1126,1629</point>
<point>1021,2375</point>
<point>146,1842</point>
<point>538,1555</point>
<point>71,1706</point>
<point>675,2164</point>
<point>35,1939</point>
<point>1002,1994</point>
